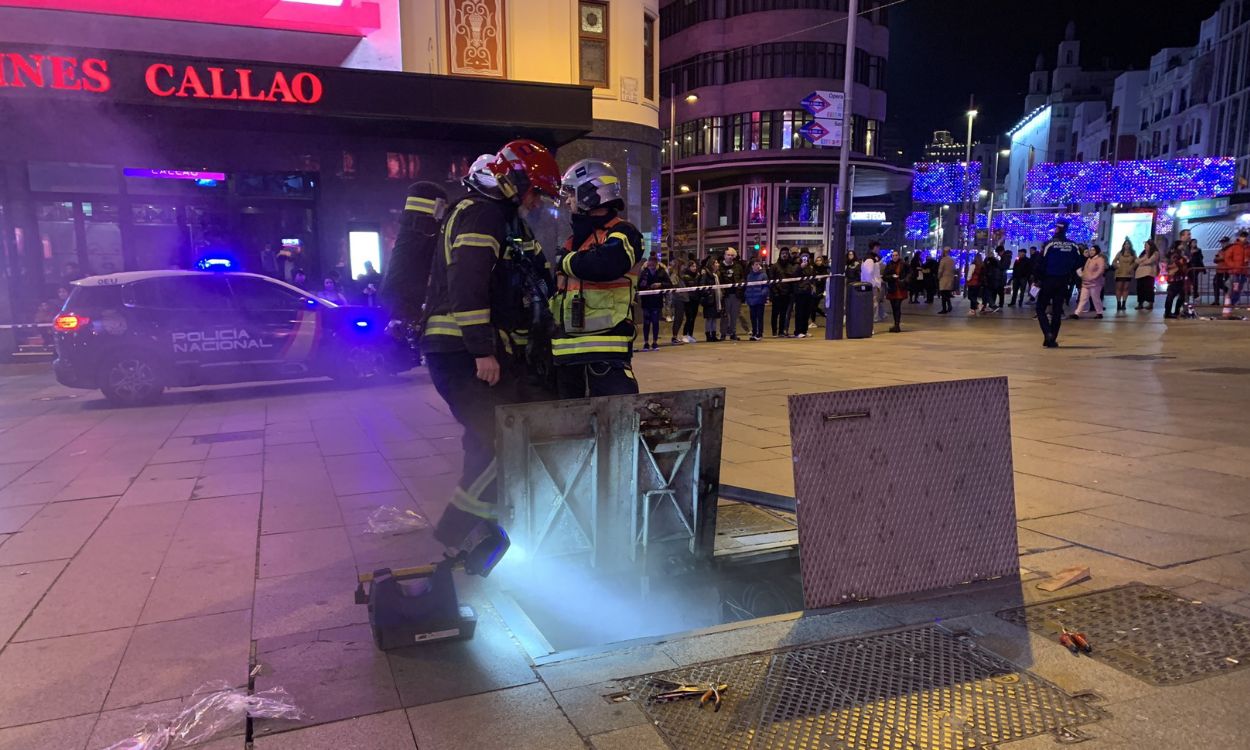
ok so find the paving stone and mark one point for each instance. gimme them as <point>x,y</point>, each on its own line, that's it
<point>358,473</point>
<point>434,672</point>
<point>158,491</point>
<point>384,731</point>
<point>58,677</point>
<point>178,470</point>
<point>225,485</point>
<point>60,734</point>
<point>12,471</point>
<point>235,448</point>
<point>643,737</point>
<point>57,531</point>
<point>179,449</point>
<point>210,588</point>
<point>357,508</point>
<point>590,670</point>
<point>29,494</point>
<point>313,513</point>
<point>303,551</point>
<point>1155,546</point>
<point>1177,717</point>
<point>216,530</point>
<point>591,713</point>
<point>335,675</point>
<point>12,519</point>
<point>172,659</point>
<point>392,550</point>
<point>21,588</point>
<point>94,486</point>
<point>417,448</point>
<point>306,602</point>
<point>242,464</point>
<point>426,466</point>
<point>519,717</point>
<point>118,724</point>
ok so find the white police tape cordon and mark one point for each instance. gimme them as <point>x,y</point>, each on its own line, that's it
<point>739,285</point>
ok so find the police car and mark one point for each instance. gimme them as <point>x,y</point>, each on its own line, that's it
<point>134,334</point>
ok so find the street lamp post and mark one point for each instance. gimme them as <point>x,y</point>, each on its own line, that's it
<point>672,164</point>
<point>967,202</point>
<point>835,286</point>
<point>989,216</point>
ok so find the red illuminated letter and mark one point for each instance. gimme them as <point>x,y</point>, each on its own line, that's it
<point>280,90</point>
<point>307,87</point>
<point>191,80</point>
<point>150,77</point>
<point>219,91</point>
<point>65,73</point>
<point>31,70</point>
<point>245,86</point>
<point>95,73</point>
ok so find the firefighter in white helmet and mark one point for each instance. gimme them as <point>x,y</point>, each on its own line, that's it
<point>596,278</point>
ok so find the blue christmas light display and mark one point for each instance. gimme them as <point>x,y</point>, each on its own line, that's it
<point>944,182</point>
<point>917,227</point>
<point>1023,227</point>
<point>982,220</point>
<point>1150,181</point>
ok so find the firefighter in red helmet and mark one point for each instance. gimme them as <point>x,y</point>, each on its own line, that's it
<point>475,333</point>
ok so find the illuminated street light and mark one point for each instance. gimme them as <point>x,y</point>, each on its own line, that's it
<point>692,98</point>
<point>684,188</point>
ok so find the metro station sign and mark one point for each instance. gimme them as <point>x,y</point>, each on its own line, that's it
<point>822,132</point>
<point>829,105</point>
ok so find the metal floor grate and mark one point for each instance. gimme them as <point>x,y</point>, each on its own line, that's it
<point>1148,632</point>
<point>1224,370</point>
<point>917,689</point>
<point>1140,357</point>
<point>228,437</point>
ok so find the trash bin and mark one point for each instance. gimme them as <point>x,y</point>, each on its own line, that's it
<point>859,311</point>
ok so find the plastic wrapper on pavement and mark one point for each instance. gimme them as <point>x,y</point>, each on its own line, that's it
<point>391,520</point>
<point>212,710</point>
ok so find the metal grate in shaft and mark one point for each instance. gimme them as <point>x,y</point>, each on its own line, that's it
<point>1148,632</point>
<point>917,689</point>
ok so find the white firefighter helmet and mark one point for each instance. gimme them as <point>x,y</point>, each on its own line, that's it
<point>481,179</point>
<point>591,184</point>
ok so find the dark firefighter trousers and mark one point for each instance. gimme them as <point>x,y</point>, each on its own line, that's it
<point>589,379</point>
<point>472,403</point>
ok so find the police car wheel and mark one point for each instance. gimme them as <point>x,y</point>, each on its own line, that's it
<point>360,364</point>
<point>131,379</point>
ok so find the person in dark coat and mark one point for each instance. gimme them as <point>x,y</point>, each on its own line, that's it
<point>713,306</point>
<point>1020,275</point>
<point>782,293</point>
<point>652,278</point>
<point>931,278</point>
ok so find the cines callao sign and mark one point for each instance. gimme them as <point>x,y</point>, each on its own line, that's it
<point>131,78</point>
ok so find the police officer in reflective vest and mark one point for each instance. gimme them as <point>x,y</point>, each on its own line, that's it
<point>468,344</point>
<point>596,277</point>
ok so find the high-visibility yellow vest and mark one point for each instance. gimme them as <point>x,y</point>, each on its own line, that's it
<point>607,305</point>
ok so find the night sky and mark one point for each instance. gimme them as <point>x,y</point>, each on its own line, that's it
<point>943,50</point>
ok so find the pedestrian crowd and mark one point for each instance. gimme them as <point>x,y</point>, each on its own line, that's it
<point>719,288</point>
<point>791,290</point>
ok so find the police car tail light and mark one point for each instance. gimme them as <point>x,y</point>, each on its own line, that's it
<point>66,322</point>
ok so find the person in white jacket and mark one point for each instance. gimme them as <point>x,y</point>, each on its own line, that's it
<point>870,273</point>
<point>1093,276</point>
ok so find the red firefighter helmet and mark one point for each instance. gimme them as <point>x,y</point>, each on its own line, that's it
<point>525,165</point>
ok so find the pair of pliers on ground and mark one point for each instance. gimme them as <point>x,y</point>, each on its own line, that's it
<point>707,692</point>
